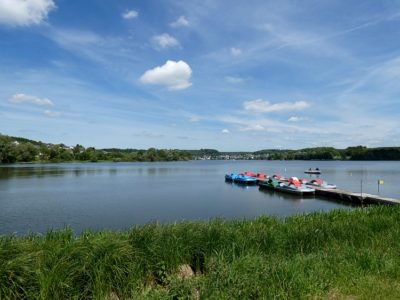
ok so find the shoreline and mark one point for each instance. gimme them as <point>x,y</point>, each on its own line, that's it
<point>343,253</point>
<point>184,160</point>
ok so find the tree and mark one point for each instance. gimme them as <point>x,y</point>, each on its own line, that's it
<point>7,152</point>
<point>77,150</point>
<point>26,152</point>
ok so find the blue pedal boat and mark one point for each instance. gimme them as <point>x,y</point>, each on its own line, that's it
<point>239,178</point>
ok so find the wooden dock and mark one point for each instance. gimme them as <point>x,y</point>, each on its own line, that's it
<point>357,198</point>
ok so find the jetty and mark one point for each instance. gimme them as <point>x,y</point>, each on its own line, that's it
<point>358,198</point>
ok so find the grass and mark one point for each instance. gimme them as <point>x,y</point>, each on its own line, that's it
<point>337,255</point>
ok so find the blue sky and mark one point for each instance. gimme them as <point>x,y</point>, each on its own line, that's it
<point>228,75</point>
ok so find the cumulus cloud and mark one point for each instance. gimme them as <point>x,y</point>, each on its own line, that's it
<point>23,98</point>
<point>180,22</point>
<point>175,75</point>
<point>24,12</point>
<point>233,79</point>
<point>130,14</point>
<point>261,106</point>
<point>164,41</point>
<point>235,51</point>
<point>52,114</point>
<point>225,131</point>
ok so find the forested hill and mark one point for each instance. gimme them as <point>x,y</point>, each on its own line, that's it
<point>329,153</point>
<point>318,153</point>
<point>17,149</point>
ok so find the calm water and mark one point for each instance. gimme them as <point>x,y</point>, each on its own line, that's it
<point>117,195</point>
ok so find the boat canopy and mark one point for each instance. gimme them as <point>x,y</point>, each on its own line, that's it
<point>294,181</point>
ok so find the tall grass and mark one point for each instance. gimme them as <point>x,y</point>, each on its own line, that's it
<point>337,254</point>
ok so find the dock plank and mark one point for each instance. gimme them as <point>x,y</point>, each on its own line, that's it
<point>359,198</point>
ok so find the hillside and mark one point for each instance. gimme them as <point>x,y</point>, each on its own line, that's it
<point>18,149</point>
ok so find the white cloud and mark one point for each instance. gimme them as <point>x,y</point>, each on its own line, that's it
<point>23,98</point>
<point>382,79</point>
<point>253,127</point>
<point>225,131</point>
<point>261,106</point>
<point>235,51</point>
<point>24,12</point>
<point>164,41</point>
<point>130,14</point>
<point>233,79</point>
<point>285,35</point>
<point>52,114</point>
<point>270,125</point>
<point>297,119</point>
<point>180,22</point>
<point>111,51</point>
<point>175,75</point>
<point>71,39</point>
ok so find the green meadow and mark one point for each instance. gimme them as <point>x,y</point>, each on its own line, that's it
<point>337,255</point>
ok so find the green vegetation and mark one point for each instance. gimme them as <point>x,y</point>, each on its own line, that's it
<point>13,149</point>
<point>304,154</point>
<point>329,153</point>
<point>336,255</point>
<point>363,153</point>
<point>317,153</point>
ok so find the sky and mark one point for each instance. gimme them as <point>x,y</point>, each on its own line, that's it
<point>224,74</point>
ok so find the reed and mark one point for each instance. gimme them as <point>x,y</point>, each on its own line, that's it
<point>337,254</point>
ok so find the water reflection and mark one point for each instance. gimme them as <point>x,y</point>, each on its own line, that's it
<point>113,171</point>
<point>240,185</point>
<point>295,199</point>
<point>87,169</point>
<point>20,172</point>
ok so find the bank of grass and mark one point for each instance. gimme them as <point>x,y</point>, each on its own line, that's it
<point>334,255</point>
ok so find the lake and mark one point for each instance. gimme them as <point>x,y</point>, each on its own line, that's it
<point>35,198</point>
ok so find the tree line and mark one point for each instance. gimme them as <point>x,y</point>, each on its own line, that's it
<point>316,153</point>
<point>13,149</point>
<point>16,149</point>
<point>330,153</point>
